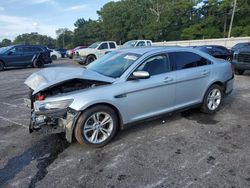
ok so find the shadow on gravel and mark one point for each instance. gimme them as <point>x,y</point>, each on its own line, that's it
<point>199,117</point>
<point>45,152</point>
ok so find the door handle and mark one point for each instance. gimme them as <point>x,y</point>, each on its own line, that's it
<point>168,79</point>
<point>205,72</point>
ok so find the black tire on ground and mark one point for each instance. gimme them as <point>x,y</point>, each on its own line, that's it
<point>90,59</point>
<point>54,57</point>
<point>38,63</point>
<point>1,66</point>
<point>79,134</point>
<point>229,59</point>
<point>205,104</point>
<point>239,72</point>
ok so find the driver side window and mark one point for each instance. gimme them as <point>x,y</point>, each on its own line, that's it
<point>103,46</point>
<point>16,50</point>
<point>155,65</point>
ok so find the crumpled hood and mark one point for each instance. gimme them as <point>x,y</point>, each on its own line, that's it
<point>51,76</point>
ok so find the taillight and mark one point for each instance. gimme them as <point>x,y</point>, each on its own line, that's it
<point>40,97</point>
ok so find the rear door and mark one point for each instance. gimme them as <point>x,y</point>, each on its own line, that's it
<point>192,77</point>
<point>28,55</point>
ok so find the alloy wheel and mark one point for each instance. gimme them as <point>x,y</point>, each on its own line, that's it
<point>98,127</point>
<point>214,99</point>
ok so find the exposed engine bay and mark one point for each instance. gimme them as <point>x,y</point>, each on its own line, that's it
<point>66,87</point>
<point>61,119</point>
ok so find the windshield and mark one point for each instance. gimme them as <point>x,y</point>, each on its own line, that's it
<point>129,44</point>
<point>113,64</point>
<point>4,49</point>
<point>94,45</point>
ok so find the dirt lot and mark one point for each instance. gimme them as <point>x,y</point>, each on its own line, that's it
<point>186,149</point>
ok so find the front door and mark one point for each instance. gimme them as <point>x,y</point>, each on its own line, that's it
<point>14,56</point>
<point>154,95</point>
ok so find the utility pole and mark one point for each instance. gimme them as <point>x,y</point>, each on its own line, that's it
<point>232,19</point>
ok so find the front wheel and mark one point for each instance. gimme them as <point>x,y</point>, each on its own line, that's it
<point>90,59</point>
<point>96,126</point>
<point>212,99</point>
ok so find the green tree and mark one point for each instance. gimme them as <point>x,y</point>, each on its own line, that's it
<point>35,39</point>
<point>64,38</point>
<point>87,32</point>
<point>5,42</point>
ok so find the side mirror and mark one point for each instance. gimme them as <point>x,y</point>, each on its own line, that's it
<point>139,75</point>
<point>10,53</point>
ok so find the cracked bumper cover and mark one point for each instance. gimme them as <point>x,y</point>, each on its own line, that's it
<point>54,122</point>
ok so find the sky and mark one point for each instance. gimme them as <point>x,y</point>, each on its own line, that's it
<point>44,16</point>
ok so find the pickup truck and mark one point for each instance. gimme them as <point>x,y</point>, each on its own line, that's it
<point>96,50</point>
<point>137,43</point>
<point>241,60</point>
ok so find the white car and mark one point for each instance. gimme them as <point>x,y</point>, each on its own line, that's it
<point>55,54</point>
<point>137,43</point>
<point>94,51</point>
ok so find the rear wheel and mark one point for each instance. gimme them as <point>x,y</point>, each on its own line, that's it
<point>96,126</point>
<point>54,57</point>
<point>1,66</point>
<point>239,72</point>
<point>90,59</point>
<point>38,63</point>
<point>212,99</point>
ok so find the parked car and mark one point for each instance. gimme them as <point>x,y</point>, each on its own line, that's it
<point>124,87</point>
<point>62,51</point>
<point>55,55</point>
<point>216,51</point>
<point>240,46</point>
<point>24,55</point>
<point>241,60</point>
<point>70,53</point>
<point>94,51</point>
<point>137,43</point>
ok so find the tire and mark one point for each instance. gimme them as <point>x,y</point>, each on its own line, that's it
<point>1,66</point>
<point>229,59</point>
<point>239,72</point>
<point>96,135</point>
<point>212,100</point>
<point>90,59</point>
<point>38,63</point>
<point>54,57</point>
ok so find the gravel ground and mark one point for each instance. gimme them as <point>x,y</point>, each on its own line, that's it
<point>187,149</point>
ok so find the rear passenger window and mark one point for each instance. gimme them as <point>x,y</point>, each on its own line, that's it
<point>37,49</point>
<point>184,60</point>
<point>155,65</point>
<point>111,45</point>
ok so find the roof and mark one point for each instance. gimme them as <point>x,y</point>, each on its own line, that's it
<point>143,50</point>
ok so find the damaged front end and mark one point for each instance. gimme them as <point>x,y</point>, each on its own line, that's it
<point>49,113</point>
<point>53,117</point>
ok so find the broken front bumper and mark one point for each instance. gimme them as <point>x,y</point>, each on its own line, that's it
<point>63,120</point>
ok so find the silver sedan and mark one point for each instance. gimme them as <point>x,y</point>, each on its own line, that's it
<point>124,87</point>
